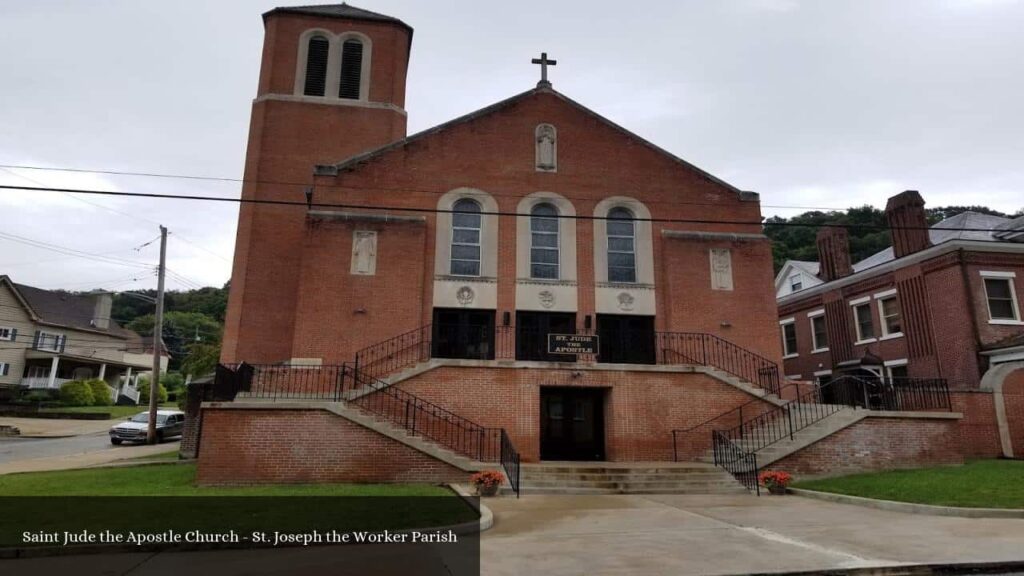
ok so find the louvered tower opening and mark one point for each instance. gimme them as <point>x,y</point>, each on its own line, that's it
<point>316,66</point>
<point>351,69</point>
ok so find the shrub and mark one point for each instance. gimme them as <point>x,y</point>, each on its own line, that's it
<point>100,392</point>
<point>161,395</point>
<point>76,393</point>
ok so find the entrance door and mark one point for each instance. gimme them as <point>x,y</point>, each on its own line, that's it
<point>625,339</point>
<point>532,329</point>
<point>572,424</point>
<point>462,333</point>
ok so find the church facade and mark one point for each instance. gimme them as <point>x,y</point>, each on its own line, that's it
<point>529,279</point>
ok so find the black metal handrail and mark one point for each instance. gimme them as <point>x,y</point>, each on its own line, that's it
<point>345,382</point>
<point>710,350</point>
<point>735,460</point>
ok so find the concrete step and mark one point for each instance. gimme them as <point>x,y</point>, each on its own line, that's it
<point>727,482</point>
<point>691,477</point>
<point>736,489</point>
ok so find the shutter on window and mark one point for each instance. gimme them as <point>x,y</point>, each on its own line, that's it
<point>63,341</point>
<point>35,341</point>
<point>316,67</point>
<point>351,69</point>
<point>14,334</point>
<point>7,369</point>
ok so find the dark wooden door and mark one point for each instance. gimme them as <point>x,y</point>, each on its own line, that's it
<point>532,329</point>
<point>625,339</point>
<point>572,424</point>
<point>463,333</point>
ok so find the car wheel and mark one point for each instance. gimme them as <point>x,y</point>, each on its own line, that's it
<point>115,441</point>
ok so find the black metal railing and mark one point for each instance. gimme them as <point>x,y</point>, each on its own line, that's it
<point>436,341</point>
<point>741,463</point>
<point>402,351</point>
<point>710,350</point>
<point>906,394</point>
<point>348,383</point>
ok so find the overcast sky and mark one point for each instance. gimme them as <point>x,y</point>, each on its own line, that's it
<point>811,103</point>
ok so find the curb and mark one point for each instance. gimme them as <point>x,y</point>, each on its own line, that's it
<point>486,516</point>
<point>1008,567</point>
<point>910,508</point>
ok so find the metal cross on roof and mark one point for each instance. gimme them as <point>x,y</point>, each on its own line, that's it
<point>544,63</point>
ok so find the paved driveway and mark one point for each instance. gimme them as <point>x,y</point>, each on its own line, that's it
<point>675,535</point>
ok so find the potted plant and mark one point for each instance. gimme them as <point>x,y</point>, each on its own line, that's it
<point>487,482</point>
<point>775,481</point>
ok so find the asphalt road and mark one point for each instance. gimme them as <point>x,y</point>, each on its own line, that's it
<point>15,449</point>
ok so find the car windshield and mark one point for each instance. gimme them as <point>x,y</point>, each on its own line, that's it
<point>143,417</point>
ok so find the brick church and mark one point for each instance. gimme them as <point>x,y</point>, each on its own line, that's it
<point>529,282</point>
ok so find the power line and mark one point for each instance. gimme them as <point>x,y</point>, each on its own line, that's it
<point>482,212</point>
<point>73,252</point>
<point>337,186</point>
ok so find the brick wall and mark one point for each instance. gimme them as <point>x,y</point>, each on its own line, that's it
<point>878,444</point>
<point>1013,397</point>
<point>641,408</point>
<point>978,428</point>
<point>307,446</point>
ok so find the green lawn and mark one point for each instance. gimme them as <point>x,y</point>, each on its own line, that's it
<point>179,480</point>
<point>978,484</point>
<point>116,412</point>
<point>34,503</point>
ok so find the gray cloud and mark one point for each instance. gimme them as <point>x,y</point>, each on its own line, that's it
<point>831,103</point>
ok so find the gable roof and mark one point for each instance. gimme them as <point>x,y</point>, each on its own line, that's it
<point>342,10</point>
<point>807,267</point>
<point>64,309</point>
<point>354,162</point>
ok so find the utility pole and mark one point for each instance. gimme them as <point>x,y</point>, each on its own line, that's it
<point>158,331</point>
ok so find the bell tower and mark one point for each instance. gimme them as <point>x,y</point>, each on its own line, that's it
<point>331,86</point>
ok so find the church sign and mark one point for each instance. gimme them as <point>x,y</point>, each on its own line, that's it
<point>572,344</point>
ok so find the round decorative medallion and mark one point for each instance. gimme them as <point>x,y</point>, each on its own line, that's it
<point>626,301</point>
<point>465,296</point>
<point>547,298</point>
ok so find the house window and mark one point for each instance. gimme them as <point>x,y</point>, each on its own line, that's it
<point>5,369</point>
<point>7,333</point>
<point>544,242</point>
<point>351,69</point>
<point>621,246</point>
<point>465,259</point>
<point>1002,299</point>
<point>897,370</point>
<point>862,316</point>
<point>316,66</point>
<point>889,314</point>
<point>819,335</point>
<point>796,282</point>
<point>788,337</point>
<point>50,342</point>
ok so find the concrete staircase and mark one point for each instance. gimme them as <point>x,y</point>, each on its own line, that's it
<point>626,478</point>
<point>843,417</point>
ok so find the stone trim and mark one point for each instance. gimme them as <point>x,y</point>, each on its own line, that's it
<point>993,380</point>
<point>365,217</point>
<point>713,236</point>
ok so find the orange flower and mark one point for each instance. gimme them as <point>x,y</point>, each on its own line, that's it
<point>772,478</point>
<point>487,478</point>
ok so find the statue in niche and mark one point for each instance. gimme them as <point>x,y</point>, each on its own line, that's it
<point>547,147</point>
<point>364,252</point>
<point>721,269</point>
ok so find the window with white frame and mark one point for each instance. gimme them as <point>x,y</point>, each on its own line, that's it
<point>889,316</point>
<point>819,333</point>
<point>896,369</point>
<point>8,334</point>
<point>466,224</point>
<point>351,69</point>
<point>796,282</point>
<point>1002,297</point>
<point>49,342</point>
<point>5,369</point>
<point>789,344</point>
<point>621,246</point>
<point>544,242</point>
<point>862,321</point>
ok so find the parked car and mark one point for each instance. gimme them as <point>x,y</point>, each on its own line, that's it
<point>169,423</point>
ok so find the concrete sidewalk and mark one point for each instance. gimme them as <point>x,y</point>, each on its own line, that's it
<point>85,459</point>
<point>726,534</point>
<point>55,428</point>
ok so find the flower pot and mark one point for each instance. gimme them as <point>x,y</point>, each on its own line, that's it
<point>487,489</point>
<point>777,490</point>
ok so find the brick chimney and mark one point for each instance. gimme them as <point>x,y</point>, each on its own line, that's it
<point>833,253</point>
<point>908,225</point>
<point>102,304</point>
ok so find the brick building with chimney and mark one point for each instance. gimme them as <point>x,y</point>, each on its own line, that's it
<point>527,282</point>
<point>942,302</point>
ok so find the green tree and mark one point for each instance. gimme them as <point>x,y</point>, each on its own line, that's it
<point>180,331</point>
<point>202,359</point>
